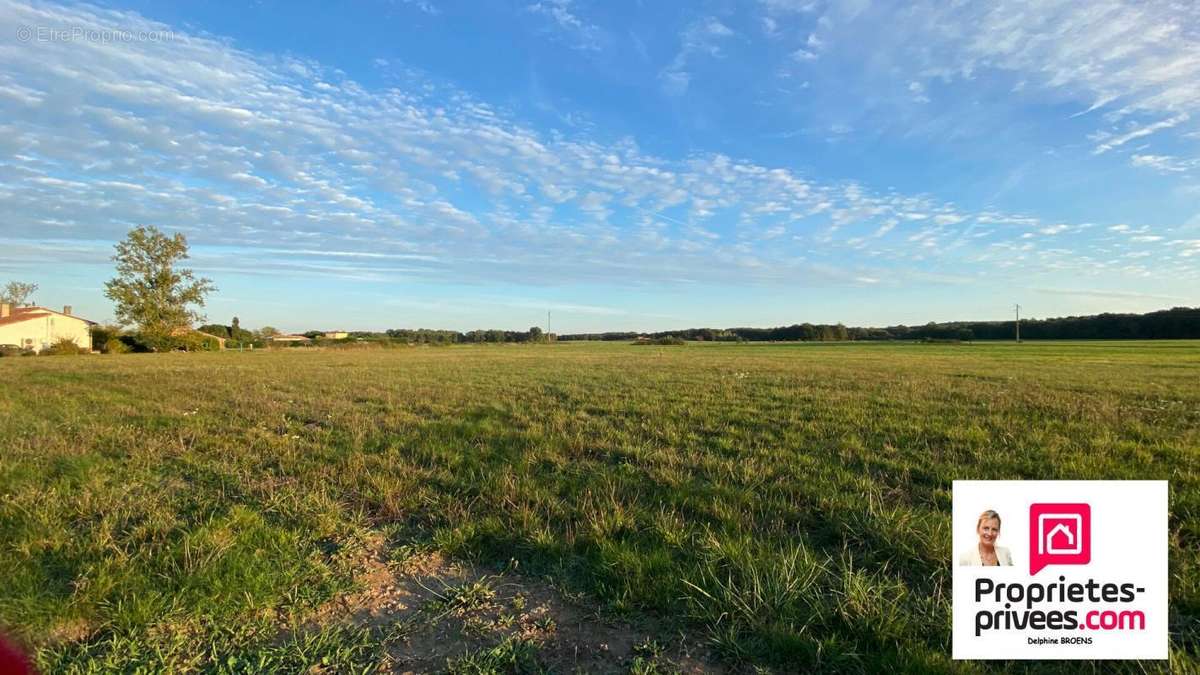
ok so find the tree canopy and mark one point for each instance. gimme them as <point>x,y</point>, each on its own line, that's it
<point>150,290</point>
<point>18,293</point>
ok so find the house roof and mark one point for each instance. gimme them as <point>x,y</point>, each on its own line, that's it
<point>184,330</point>
<point>20,314</point>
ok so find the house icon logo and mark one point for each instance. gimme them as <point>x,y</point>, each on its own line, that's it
<point>1059,534</point>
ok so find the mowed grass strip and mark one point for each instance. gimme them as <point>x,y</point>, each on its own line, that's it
<point>790,504</point>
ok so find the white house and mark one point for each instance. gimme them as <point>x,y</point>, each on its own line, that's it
<point>37,328</point>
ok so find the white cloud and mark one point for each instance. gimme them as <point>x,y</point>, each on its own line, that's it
<point>675,82</point>
<point>1108,294</point>
<point>1133,65</point>
<point>1164,163</point>
<point>422,5</point>
<point>789,6</point>
<point>253,155</point>
<point>918,92</point>
<point>701,37</point>
<point>1109,141</point>
<point>579,34</point>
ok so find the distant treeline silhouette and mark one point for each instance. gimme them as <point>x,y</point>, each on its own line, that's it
<point>1177,323</point>
<point>425,335</point>
<point>1174,324</point>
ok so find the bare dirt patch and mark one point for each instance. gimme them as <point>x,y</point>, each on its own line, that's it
<point>435,613</point>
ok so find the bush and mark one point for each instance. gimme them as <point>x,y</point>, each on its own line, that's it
<point>191,342</point>
<point>13,350</point>
<point>134,343</point>
<point>153,342</point>
<point>62,347</point>
<point>115,346</point>
<point>102,335</point>
<point>109,340</point>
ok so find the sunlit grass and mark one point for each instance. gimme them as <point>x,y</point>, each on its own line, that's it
<point>787,503</point>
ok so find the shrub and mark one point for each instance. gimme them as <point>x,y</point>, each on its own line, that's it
<point>109,340</point>
<point>148,342</point>
<point>102,335</point>
<point>62,347</point>
<point>134,343</point>
<point>115,346</point>
<point>191,342</point>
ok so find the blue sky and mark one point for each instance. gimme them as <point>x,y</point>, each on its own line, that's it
<point>427,163</point>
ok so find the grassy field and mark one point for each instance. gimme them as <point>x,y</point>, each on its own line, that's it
<point>785,506</point>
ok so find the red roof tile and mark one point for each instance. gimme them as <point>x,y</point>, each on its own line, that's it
<point>20,314</point>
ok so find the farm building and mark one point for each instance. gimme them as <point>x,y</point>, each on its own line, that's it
<point>291,339</point>
<point>336,335</point>
<point>217,342</point>
<point>37,328</point>
<point>209,336</point>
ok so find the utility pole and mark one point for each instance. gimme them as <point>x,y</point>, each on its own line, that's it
<point>547,324</point>
<point>1018,322</point>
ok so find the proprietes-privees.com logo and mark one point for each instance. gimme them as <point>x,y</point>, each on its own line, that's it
<point>1059,612</point>
<point>1059,534</point>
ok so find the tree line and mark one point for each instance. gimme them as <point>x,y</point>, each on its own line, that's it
<point>159,300</point>
<point>1178,323</point>
<point>433,336</point>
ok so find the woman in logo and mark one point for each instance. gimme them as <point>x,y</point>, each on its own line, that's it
<point>986,553</point>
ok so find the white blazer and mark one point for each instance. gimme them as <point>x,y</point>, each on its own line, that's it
<point>973,559</point>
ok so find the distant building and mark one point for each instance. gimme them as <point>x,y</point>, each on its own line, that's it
<point>336,335</point>
<point>37,328</point>
<point>290,339</point>
<point>185,330</point>
<point>220,340</point>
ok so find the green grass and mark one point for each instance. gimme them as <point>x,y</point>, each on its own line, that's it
<point>512,656</point>
<point>787,503</point>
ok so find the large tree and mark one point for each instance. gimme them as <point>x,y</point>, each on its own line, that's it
<point>150,291</point>
<point>18,293</point>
